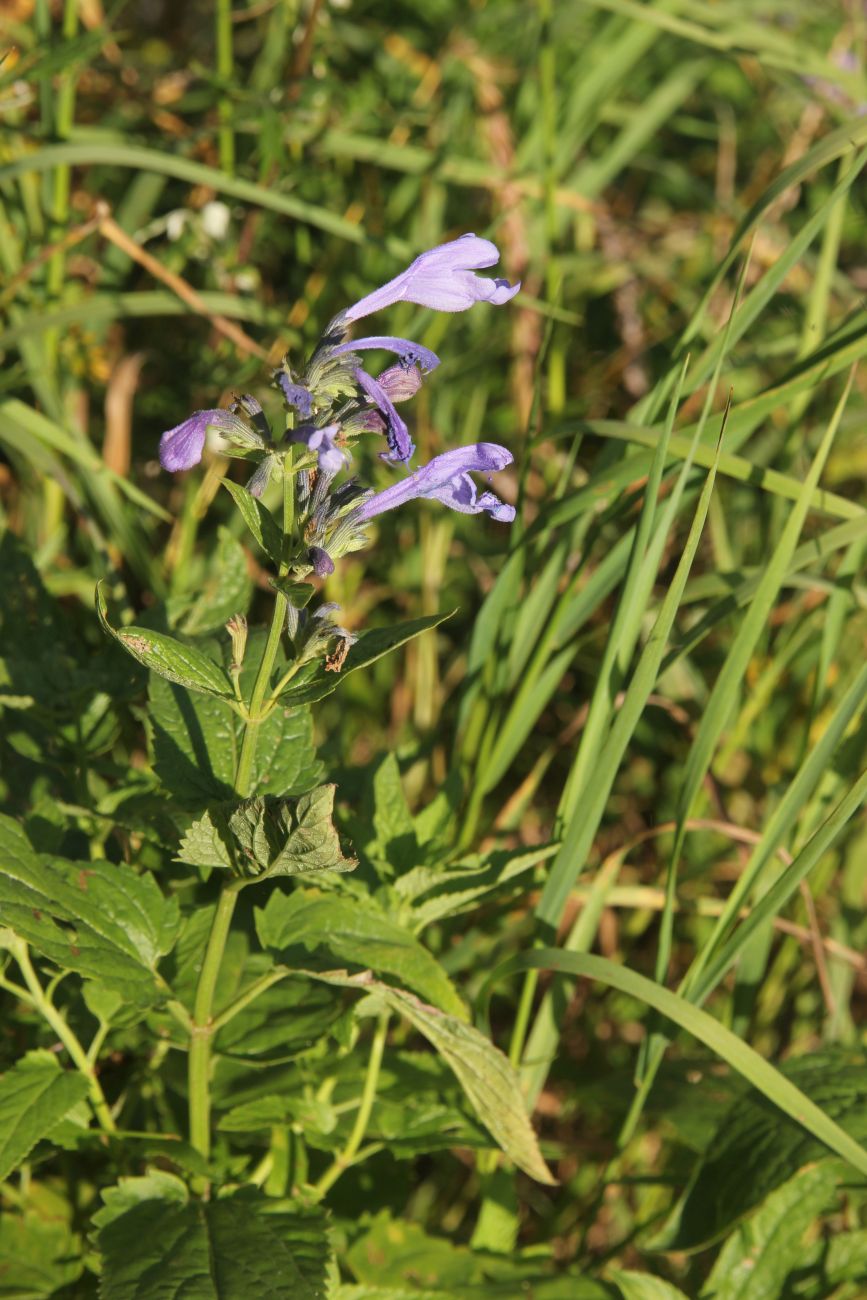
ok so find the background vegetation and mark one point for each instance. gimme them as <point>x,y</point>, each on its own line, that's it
<point>654,680</point>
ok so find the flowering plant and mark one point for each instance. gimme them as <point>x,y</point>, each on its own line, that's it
<point>237,794</point>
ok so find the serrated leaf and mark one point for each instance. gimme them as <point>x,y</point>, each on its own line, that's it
<point>196,740</point>
<point>204,843</point>
<point>164,655</point>
<point>761,1253</point>
<point>35,1095</point>
<point>312,843</point>
<point>264,837</point>
<point>757,1148</point>
<point>369,647</point>
<point>243,1245</point>
<point>258,519</point>
<point>487,1077</point>
<point>391,843</point>
<point>354,931</point>
<point>97,918</point>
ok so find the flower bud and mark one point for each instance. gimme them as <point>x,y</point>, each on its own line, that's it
<point>237,629</point>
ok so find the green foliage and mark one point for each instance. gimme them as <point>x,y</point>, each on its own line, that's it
<point>265,837</point>
<point>98,919</point>
<point>196,740</point>
<point>153,1237</point>
<point>752,1153</point>
<point>246,944</point>
<point>170,659</point>
<point>356,931</point>
<point>35,1095</point>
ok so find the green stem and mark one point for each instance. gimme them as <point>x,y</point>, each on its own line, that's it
<point>249,995</point>
<point>342,1162</point>
<point>63,126</point>
<point>224,72</point>
<point>202,1034</point>
<point>259,708</point>
<point>204,1025</point>
<point>260,687</point>
<point>49,1012</point>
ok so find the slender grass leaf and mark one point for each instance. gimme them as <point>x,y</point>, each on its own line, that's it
<point>791,1101</point>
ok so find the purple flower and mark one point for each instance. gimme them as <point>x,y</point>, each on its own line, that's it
<point>401,446</point>
<point>296,394</point>
<point>182,446</point>
<point>447,479</point>
<point>323,565</point>
<point>443,278</point>
<point>400,382</point>
<point>411,354</point>
<point>331,457</point>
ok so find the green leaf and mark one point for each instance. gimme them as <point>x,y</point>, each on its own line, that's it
<point>265,837</point>
<point>171,659</point>
<point>97,918</point>
<point>762,1253</point>
<point>258,519</point>
<point>39,1254</point>
<point>35,1095</point>
<point>207,843</point>
<point>384,831</point>
<point>224,590</point>
<point>196,740</point>
<point>643,1286</point>
<point>755,1149</point>
<point>287,840</point>
<point>154,1244</point>
<point>369,647</point>
<point>487,1077</point>
<point>354,931</point>
<point>803,1118</point>
<point>457,888</point>
<point>312,1113</point>
<point>299,594</point>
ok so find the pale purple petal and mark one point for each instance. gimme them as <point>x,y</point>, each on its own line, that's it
<point>401,446</point>
<point>442,278</point>
<point>330,457</point>
<point>400,382</point>
<point>296,395</point>
<point>182,446</point>
<point>446,479</point>
<point>412,354</point>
